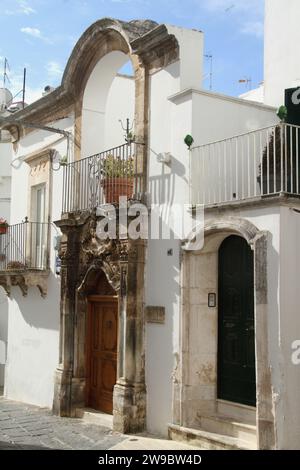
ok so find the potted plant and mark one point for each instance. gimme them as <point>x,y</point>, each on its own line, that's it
<point>3,225</point>
<point>118,178</point>
<point>15,265</point>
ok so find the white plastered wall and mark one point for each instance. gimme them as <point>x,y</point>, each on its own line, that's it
<point>107,98</point>
<point>282,36</point>
<point>33,322</point>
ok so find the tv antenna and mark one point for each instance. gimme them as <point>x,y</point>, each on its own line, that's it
<point>5,73</point>
<point>210,58</point>
<point>247,81</point>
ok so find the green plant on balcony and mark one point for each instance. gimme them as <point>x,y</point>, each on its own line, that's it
<point>16,265</point>
<point>116,167</point>
<point>118,178</point>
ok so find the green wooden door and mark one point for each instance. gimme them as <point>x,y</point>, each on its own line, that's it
<point>236,350</point>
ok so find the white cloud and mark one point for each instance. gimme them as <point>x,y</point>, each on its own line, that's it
<point>22,8</point>
<point>54,69</point>
<point>25,7</point>
<point>35,32</point>
<point>33,94</point>
<point>254,28</point>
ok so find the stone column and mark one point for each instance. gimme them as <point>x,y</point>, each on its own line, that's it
<point>62,402</point>
<point>130,391</point>
<point>264,406</point>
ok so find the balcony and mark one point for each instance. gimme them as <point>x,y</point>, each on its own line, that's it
<point>102,179</point>
<point>257,164</point>
<point>24,256</point>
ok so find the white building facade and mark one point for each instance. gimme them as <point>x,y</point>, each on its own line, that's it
<point>5,194</point>
<point>194,344</point>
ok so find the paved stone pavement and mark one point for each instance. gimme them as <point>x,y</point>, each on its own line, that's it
<point>24,426</point>
<point>28,427</point>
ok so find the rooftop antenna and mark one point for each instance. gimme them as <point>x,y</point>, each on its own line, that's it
<point>5,72</point>
<point>210,57</point>
<point>247,81</point>
<point>24,88</point>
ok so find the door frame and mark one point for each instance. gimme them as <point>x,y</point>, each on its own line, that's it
<point>101,299</point>
<point>194,374</point>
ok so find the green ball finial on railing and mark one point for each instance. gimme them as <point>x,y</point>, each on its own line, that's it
<point>189,141</point>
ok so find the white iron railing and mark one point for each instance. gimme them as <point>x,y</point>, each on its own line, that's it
<point>24,246</point>
<point>102,178</point>
<point>258,163</point>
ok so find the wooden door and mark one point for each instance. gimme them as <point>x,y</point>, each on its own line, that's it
<point>236,351</point>
<point>102,341</point>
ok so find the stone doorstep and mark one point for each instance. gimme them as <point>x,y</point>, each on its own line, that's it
<point>236,411</point>
<point>229,427</point>
<point>208,440</point>
<point>90,416</point>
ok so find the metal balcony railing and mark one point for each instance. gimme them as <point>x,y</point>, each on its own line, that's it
<point>264,162</point>
<point>102,178</point>
<point>24,246</point>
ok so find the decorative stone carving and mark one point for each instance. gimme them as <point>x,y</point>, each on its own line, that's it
<point>24,280</point>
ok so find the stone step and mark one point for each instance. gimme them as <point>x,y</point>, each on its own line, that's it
<point>91,416</point>
<point>208,440</point>
<point>237,411</point>
<point>229,427</point>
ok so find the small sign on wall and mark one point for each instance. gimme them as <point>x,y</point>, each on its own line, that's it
<point>155,314</point>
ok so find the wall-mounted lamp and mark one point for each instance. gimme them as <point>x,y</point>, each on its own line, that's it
<point>212,300</point>
<point>57,161</point>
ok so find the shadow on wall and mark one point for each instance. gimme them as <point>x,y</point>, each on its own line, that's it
<point>163,289</point>
<point>39,312</point>
<point>162,187</point>
<point>3,334</point>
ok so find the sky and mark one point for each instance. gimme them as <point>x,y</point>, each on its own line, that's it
<point>40,35</point>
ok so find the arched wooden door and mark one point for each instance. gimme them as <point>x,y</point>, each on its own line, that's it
<point>236,341</point>
<point>102,344</point>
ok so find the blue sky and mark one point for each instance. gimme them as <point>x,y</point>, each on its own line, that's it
<point>40,35</point>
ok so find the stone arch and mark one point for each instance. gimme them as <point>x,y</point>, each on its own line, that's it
<point>215,230</point>
<point>102,37</point>
<point>195,377</point>
<point>96,282</point>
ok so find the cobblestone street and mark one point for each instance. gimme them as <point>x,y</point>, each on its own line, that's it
<point>28,427</point>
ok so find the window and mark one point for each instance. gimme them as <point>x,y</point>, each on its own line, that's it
<point>38,227</point>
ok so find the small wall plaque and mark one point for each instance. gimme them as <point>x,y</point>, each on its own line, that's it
<point>155,314</point>
<point>212,299</point>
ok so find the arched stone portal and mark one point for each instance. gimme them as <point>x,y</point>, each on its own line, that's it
<point>149,47</point>
<point>195,376</point>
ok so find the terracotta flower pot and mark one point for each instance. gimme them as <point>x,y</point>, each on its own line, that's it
<point>114,188</point>
<point>3,229</point>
